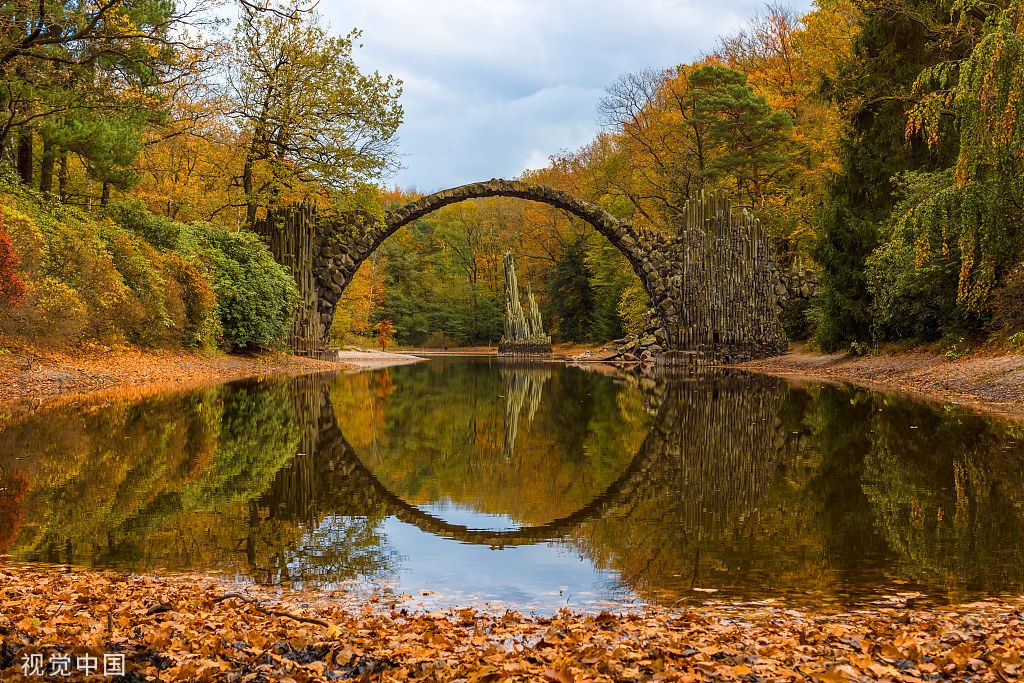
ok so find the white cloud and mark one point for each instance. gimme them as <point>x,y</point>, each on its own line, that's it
<point>491,87</point>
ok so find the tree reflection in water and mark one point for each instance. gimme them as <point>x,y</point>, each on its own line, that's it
<point>749,485</point>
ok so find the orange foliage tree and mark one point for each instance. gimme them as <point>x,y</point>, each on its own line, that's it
<point>385,331</point>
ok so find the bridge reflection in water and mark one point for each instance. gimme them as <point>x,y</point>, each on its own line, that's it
<point>708,458</point>
<point>748,485</point>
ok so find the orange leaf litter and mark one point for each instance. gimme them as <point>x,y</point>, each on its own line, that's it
<point>174,628</point>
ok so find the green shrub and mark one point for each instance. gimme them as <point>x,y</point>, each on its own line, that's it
<point>136,276</point>
<point>795,320</point>
<point>190,305</point>
<point>61,312</point>
<point>256,296</point>
<point>132,215</point>
<point>137,262</point>
<point>957,347</point>
<point>78,258</point>
<point>914,298</point>
<point>198,324</point>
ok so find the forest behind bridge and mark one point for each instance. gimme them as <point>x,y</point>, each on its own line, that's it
<point>878,140</point>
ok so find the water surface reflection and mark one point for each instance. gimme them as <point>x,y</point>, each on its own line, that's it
<point>533,486</point>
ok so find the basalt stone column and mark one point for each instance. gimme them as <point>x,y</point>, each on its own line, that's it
<point>724,286</point>
<point>291,234</point>
<point>524,336</point>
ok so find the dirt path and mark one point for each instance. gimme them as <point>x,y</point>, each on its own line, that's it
<point>987,382</point>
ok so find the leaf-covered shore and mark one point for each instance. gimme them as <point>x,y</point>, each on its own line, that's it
<point>184,628</point>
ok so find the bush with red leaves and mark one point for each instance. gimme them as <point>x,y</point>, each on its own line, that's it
<point>12,289</point>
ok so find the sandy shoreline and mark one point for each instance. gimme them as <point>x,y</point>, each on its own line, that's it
<point>983,382</point>
<point>33,378</point>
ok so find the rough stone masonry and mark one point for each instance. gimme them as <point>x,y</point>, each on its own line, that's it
<point>713,284</point>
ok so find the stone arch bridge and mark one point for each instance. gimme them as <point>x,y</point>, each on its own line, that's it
<point>714,285</point>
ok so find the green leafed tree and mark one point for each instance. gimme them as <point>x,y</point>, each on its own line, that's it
<point>85,78</point>
<point>306,112</point>
<point>746,133</point>
<point>686,129</point>
<point>976,213</point>
<point>896,40</point>
<point>570,291</point>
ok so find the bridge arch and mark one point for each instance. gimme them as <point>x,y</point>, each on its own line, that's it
<point>732,438</point>
<point>346,463</point>
<point>623,489</point>
<point>642,247</point>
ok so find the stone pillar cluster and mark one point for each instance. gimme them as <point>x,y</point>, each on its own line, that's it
<point>524,336</point>
<point>523,387</point>
<point>716,292</point>
<point>291,235</point>
<point>728,275</point>
<point>720,450</point>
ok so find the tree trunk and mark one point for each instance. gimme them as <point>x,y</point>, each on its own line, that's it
<point>25,156</point>
<point>250,201</point>
<point>105,194</point>
<point>62,178</point>
<point>46,168</point>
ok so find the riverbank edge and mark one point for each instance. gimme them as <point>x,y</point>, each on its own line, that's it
<point>32,378</point>
<point>988,383</point>
<point>193,627</point>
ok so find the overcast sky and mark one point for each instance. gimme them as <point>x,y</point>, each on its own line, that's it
<point>494,87</point>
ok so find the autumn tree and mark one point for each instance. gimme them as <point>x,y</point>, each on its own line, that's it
<point>896,41</point>
<point>658,156</point>
<point>686,129</point>
<point>305,111</point>
<point>747,133</point>
<point>766,49</point>
<point>786,59</point>
<point>82,77</point>
<point>385,331</point>
<point>958,229</point>
<point>187,162</point>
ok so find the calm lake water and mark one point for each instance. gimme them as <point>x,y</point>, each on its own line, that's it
<point>464,481</point>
